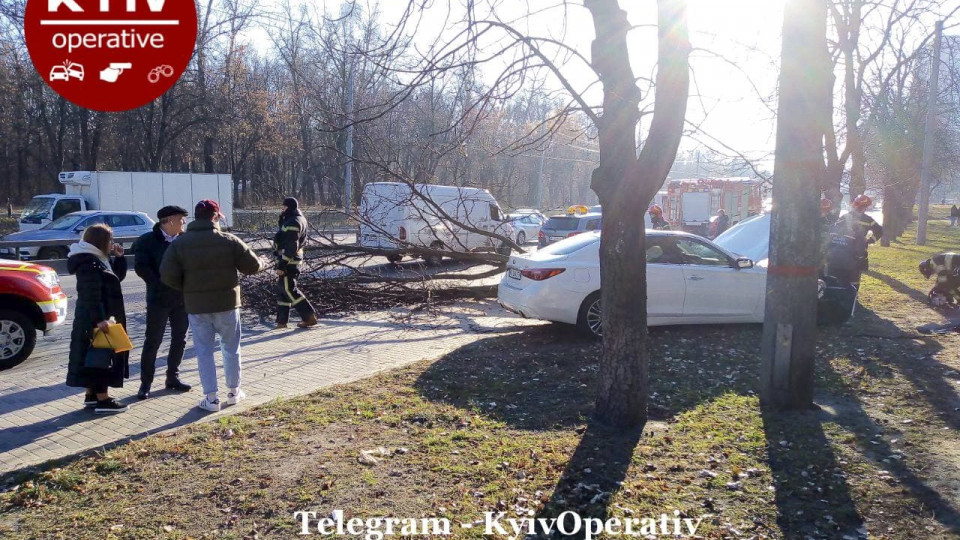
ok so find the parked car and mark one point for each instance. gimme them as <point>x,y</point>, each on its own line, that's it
<point>530,211</point>
<point>31,300</point>
<point>526,226</point>
<point>690,280</point>
<point>69,229</point>
<point>558,228</point>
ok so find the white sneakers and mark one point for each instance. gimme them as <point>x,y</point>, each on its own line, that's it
<point>234,396</point>
<point>212,405</point>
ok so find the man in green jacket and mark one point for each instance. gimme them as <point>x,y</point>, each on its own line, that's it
<point>203,263</point>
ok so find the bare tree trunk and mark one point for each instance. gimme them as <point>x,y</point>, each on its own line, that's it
<point>625,184</point>
<point>790,325</point>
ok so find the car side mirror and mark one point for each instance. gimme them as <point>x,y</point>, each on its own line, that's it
<point>744,262</point>
<point>79,229</point>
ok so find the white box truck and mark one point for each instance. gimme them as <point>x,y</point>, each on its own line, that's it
<point>143,192</point>
<point>398,218</point>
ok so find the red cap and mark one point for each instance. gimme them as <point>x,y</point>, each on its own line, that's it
<point>208,204</point>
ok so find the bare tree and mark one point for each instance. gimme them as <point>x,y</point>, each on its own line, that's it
<point>872,39</point>
<point>626,184</point>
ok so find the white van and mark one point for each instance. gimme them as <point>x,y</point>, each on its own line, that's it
<point>395,217</point>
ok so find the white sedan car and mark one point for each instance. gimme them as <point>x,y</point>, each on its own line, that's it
<point>690,280</point>
<point>526,226</point>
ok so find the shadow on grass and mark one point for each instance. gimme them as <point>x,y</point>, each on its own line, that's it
<point>811,492</point>
<point>544,379</point>
<point>898,286</point>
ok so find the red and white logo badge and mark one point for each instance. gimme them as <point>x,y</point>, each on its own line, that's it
<point>110,55</point>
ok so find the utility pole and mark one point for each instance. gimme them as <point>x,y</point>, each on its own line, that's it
<point>348,174</point>
<point>790,317</point>
<point>928,143</point>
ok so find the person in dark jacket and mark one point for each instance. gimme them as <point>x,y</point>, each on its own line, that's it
<point>860,230</point>
<point>723,222</point>
<point>288,246</point>
<point>203,263</point>
<point>99,266</point>
<point>163,303</point>
<point>954,215</point>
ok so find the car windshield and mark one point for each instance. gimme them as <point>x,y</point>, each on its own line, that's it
<point>750,238</point>
<point>68,221</point>
<point>571,245</point>
<point>38,207</point>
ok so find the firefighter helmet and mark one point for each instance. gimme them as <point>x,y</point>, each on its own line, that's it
<point>826,205</point>
<point>862,202</point>
<point>926,268</point>
<point>656,210</point>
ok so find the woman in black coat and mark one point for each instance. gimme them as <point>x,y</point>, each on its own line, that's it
<point>99,297</point>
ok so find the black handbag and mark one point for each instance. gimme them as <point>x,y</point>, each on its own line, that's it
<point>97,358</point>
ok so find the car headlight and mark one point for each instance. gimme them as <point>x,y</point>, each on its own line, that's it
<point>49,279</point>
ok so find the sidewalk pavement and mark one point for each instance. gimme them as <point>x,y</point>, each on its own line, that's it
<point>43,419</point>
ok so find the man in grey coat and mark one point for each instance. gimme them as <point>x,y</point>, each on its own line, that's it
<point>203,263</point>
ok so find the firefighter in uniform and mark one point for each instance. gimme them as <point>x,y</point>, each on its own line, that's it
<point>856,225</point>
<point>656,218</point>
<point>288,245</point>
<point>947,268</point>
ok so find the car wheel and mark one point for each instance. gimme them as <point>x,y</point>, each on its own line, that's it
<point>394,258</point>
<point>436,259</point>
<point>521,238</point>
<point>18,336</point>
<point>589,319</point>
<point>49,253</point>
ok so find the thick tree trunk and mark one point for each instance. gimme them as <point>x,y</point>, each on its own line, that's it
<point>625,185</point>
<point>789,331</point>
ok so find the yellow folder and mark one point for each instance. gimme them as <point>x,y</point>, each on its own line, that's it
<point>116,338</point>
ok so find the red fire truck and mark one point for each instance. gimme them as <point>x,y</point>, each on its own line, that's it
<point>690,203</point>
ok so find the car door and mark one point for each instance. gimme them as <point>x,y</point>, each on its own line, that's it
<point>714,287</point>
<point>665,285</point>
<point>531,226</point>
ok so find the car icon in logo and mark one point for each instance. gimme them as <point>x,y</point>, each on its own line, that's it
<point>69,70</point>
<point>59,73</point>
<point>75,71</point>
